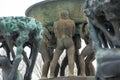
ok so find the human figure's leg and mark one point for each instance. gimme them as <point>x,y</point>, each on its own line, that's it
<point>46,59</point>
<point>63,66</point>
<point>83,54</point>
<point>34,53</point>
<point>77,60</point>
<point>18,57</point>
<point>56,70</point>
<point>70,53</point>
<point>51,49</point>
<point>54,61</point>
<point>77,44</point>
<point>90,71</point>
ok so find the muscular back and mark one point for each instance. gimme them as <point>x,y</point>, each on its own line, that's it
<point>64,28</point>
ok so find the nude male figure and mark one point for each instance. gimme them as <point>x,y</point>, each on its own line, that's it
<point>64,31</point>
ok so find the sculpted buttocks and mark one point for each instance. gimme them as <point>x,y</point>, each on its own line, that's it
<point>77,43</point>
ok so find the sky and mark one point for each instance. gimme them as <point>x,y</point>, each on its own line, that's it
<point>15,7</point>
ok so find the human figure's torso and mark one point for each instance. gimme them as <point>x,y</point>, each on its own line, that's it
<point>64,28</point>
<point>64,31</point>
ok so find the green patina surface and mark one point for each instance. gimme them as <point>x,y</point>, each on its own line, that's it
<point>49,11</point>
<point>11,24</point>
<point>27,30</point>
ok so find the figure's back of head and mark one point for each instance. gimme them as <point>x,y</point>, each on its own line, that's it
<point>64,14</point>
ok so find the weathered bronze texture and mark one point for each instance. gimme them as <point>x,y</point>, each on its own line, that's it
<point>104,28</point>
<point>49,10</point>
<point>17,31</point>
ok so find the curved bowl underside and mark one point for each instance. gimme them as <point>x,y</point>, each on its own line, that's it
<point>49,10</point>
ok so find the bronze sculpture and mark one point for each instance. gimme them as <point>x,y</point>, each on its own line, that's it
<point>5,46</point>
<point>86,66</point>
<point>64,30</point>
<point>6,66</point>
<point>77,44</point>
<point>48,11</point>
<point>103,20</point>
<point>87,54</point>
<point>28,30</point>
<point>48,44</point>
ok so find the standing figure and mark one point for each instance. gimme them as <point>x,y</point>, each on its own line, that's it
<point>77,44</point>
<point>64,30</point>
<point>47,46</point>
<point>87,55</point>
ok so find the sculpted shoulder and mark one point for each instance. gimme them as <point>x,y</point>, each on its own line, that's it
<point>63,22</point>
